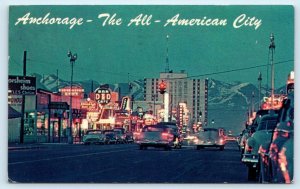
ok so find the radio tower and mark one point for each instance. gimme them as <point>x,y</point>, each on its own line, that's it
<point>167,69</point>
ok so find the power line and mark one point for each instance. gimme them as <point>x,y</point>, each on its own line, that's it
<point>233,70</point>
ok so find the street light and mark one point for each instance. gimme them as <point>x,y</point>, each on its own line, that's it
<point>73,57</point>
<point>272,48</point>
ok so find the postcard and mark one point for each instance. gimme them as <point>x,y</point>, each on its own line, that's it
<point>151,94</point>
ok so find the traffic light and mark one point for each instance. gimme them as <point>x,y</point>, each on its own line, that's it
<point>162,87</point>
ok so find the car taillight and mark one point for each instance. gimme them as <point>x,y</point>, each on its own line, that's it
<point>167,136</point>
<point>221,141</point>
<point>248,148</point>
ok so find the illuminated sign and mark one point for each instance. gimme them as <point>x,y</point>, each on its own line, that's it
<point>277,102</point>
<point>76,91</point>
<point>89,105</point>
<point>21,85</point>
<point>125,105</point>
<point>102,96</point>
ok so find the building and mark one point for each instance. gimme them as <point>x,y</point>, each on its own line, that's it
<point>193,92</point>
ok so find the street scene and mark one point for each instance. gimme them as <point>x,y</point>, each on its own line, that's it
<point>151,94</point>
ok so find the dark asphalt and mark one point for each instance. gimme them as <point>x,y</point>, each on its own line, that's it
<point>124,163</point>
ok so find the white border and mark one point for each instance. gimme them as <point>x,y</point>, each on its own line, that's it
<point>4,72</point>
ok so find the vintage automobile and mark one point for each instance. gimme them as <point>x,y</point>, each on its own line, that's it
<point>174,130</point>
<point>120,135</point>
<point>110,137</point>
<point>210,137</point>
<point>129,137</point>
<point>93,137</point>
<point>276,158</point>
<point>158,136</point>
<point>263,133</point>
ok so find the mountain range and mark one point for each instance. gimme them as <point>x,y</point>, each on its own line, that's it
<point>228,103</point>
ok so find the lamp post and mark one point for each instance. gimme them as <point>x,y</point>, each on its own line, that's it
<point>73,57</point>
<point>272,48</point>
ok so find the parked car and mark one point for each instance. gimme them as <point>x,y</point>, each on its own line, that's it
<point>129,137</point>
<point>263,134</point>
<point>110,137</point>
<point>210,137</point>
<point>277,163</point>
<point>93,137</point>
<point>120,135</point>
<point>158,136</point>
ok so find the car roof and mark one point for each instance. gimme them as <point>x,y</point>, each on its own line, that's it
<point>269,117</point>
<point>210,129</point>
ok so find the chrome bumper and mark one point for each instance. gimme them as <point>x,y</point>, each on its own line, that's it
<point>250,159</point>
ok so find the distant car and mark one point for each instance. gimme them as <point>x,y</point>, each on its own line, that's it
<point>129,137</point>
<point>230,138</point>
<point>158,136</point>
<point>120,135</point>
<point>110,137</point>
<point>263,134</point>
<point>94,137</point>
<point>189,139</point>
<point>173,130</point>
<point>210,137</point>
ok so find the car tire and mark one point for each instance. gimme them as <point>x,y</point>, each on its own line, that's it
<point>252,174</point>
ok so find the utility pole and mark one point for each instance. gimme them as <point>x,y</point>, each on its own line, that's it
<point>23,102</point>
<point>73,57</point>
<point>272,48</point>
<point>259,89</point>
<point>167,56</point>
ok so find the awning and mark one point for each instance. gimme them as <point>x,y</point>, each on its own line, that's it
<point>12,113</point>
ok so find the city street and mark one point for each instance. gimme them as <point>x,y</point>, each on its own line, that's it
<point>125,163</point>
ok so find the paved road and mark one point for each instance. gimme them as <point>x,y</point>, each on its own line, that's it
<point>125,163</point>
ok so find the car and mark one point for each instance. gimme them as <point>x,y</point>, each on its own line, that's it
<point>189,139</point>
<point>129,137</point>
<point>175,131</point>
<point>120,135</point>
<point>93,137</point>
<point>158,136</point>
<point>210,137</point>
<point>262,134</point>
<point>110,137</point>
<point>276,165</point>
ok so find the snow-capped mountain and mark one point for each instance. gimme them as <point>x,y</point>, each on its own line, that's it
<point>52,83</point>
<point>228,103</point>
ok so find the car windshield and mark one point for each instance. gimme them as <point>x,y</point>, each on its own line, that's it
<point>94,132</point>
<point>211,133</point>
<point>153,129</point>
<point>267,125</point>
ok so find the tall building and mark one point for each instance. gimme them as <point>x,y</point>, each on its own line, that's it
<point>193,92</point>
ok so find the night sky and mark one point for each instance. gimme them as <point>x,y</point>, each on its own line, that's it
<point>108,53</point>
